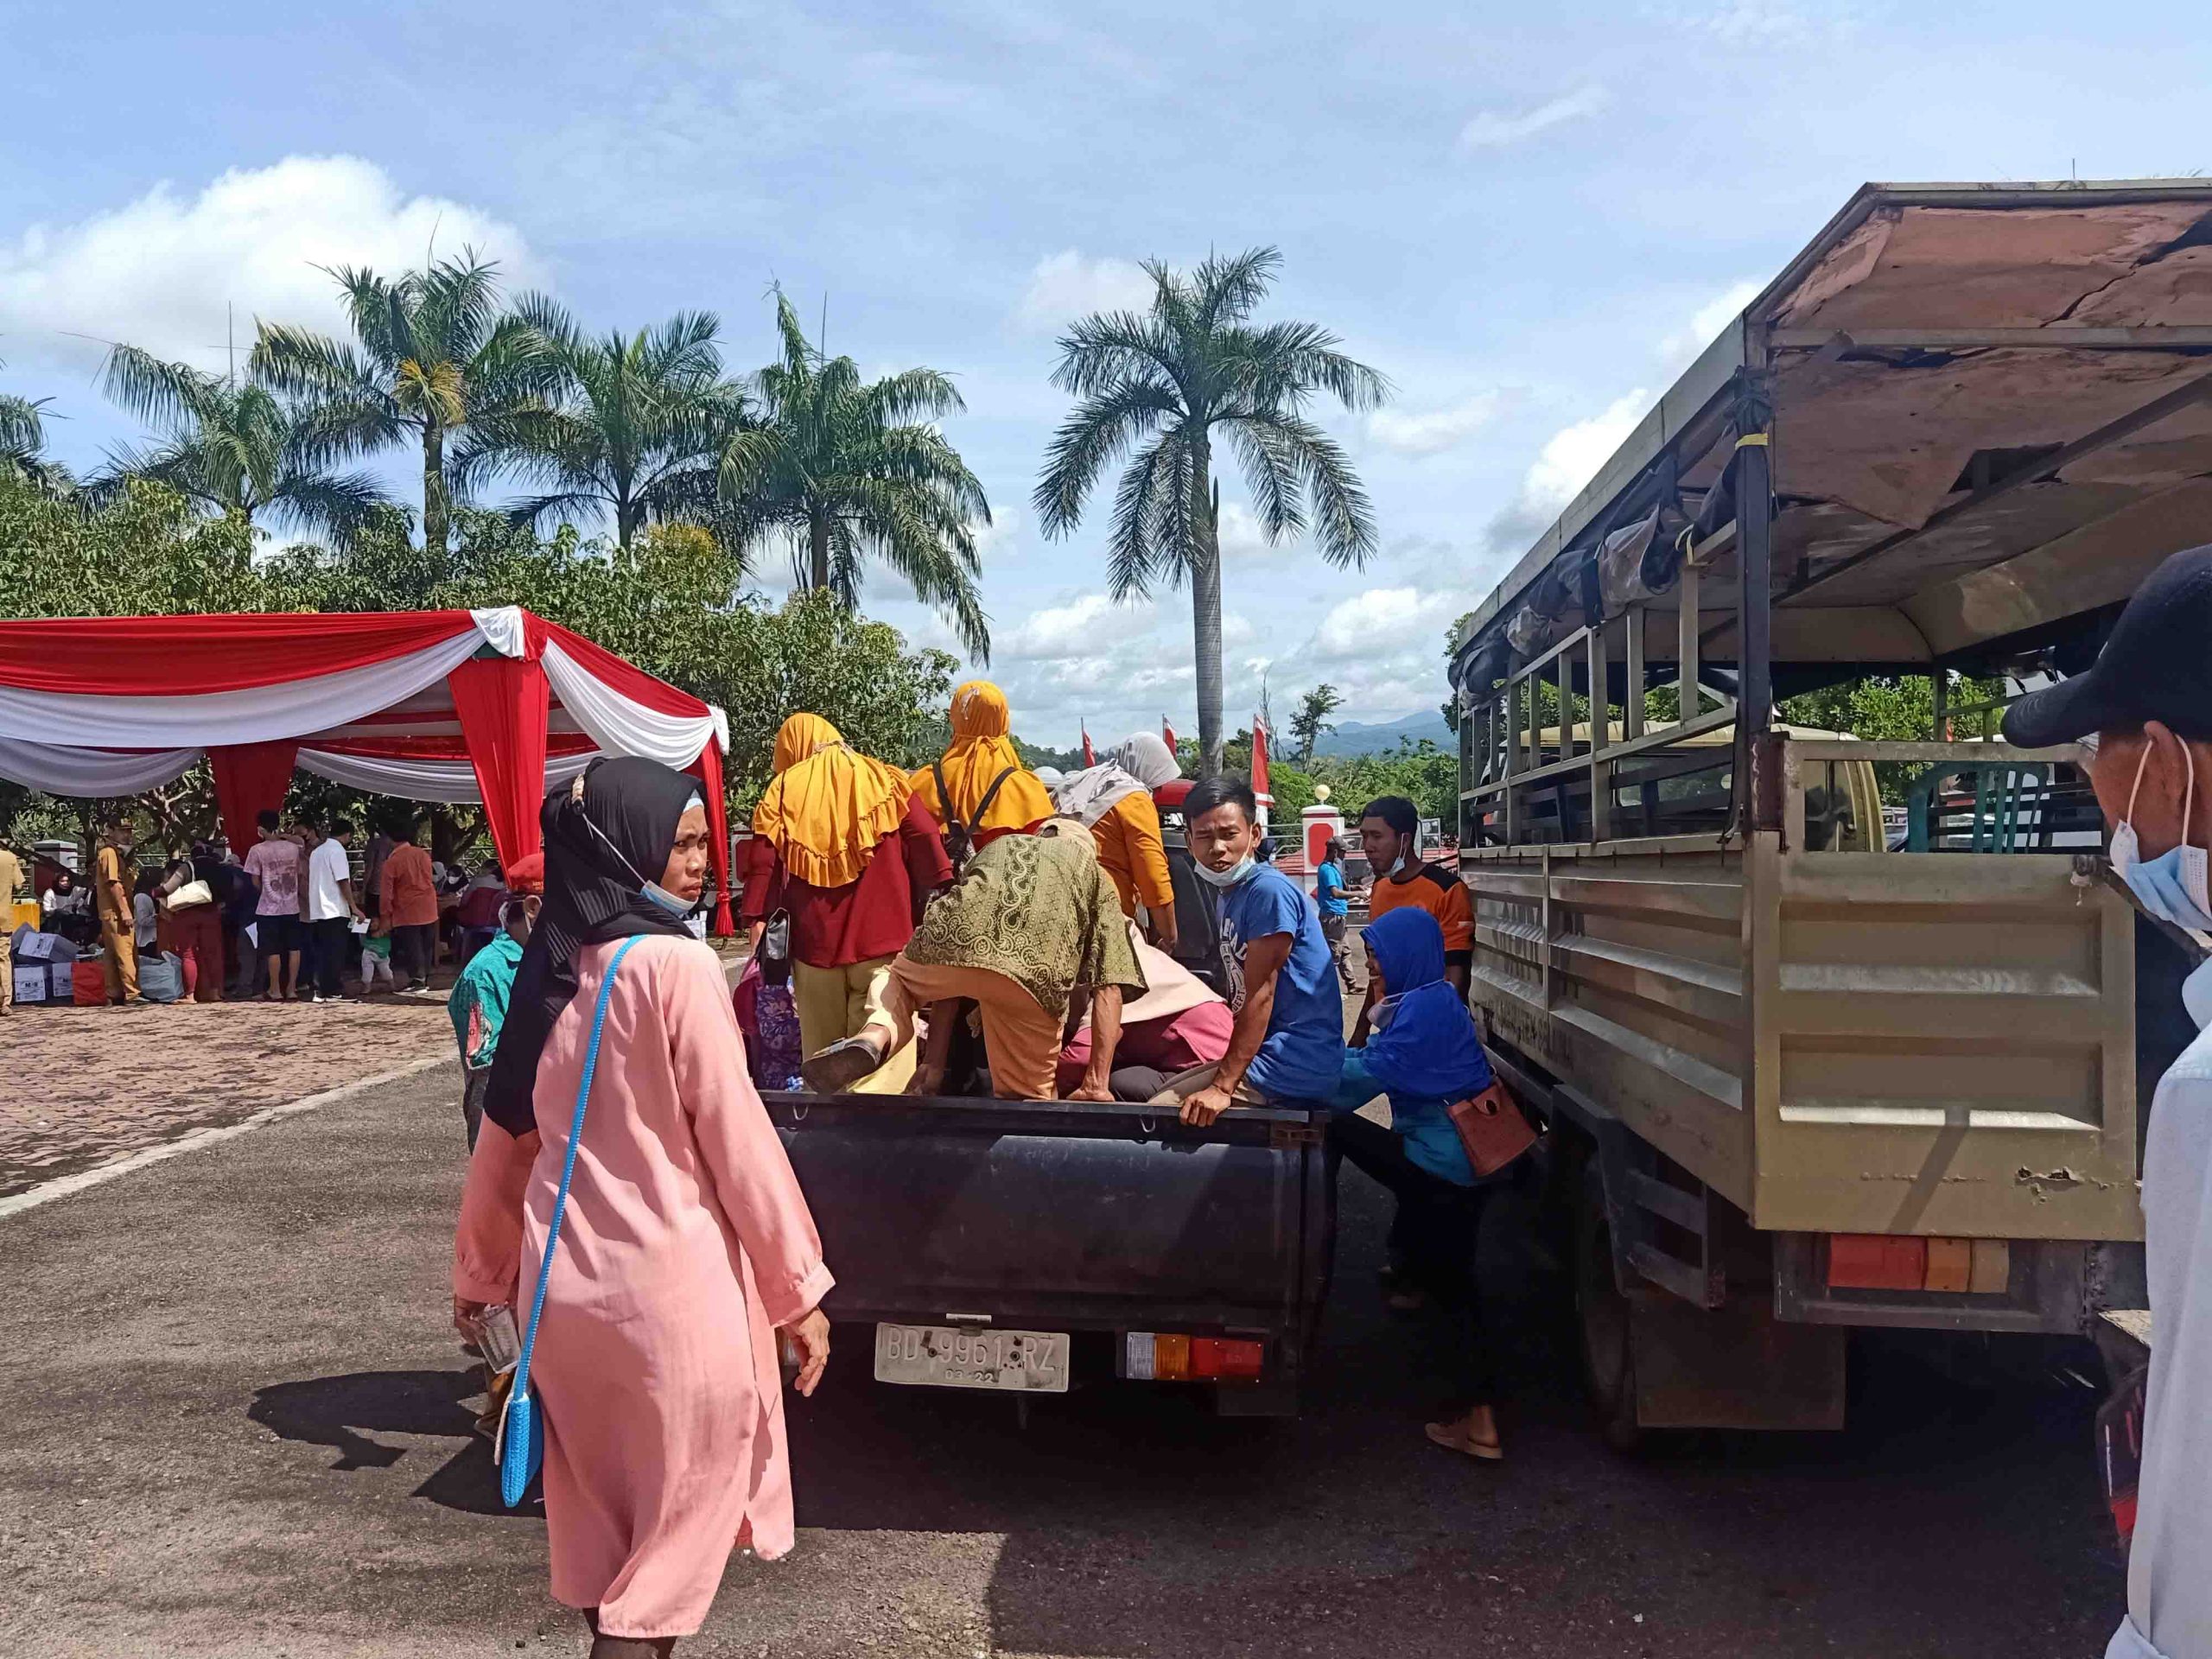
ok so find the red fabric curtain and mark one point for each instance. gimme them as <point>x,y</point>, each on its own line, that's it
<point>157,656</point>
<point>707,769</point>
<point>502,704</point>
<point>250,778</point>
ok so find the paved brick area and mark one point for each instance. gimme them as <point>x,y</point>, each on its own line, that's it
<point>86,1085</point>
<point>79,1087</point>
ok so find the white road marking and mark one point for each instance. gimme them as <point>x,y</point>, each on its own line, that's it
<point>63,1186</point>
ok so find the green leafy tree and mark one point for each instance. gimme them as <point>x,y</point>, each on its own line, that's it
<point>1163,383</point>
<point>434,360</point>
<point>1312,719</point>
<point>635,427</point>
<point>1894,708</point>
<point>23,446</point>
<point>142,551</point>
<point>229,446</point>
<point>843,470</point>
<point>671,602</point>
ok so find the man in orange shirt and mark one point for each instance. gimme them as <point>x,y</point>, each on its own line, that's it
<point>409,902</point>
<point>1390,833</point>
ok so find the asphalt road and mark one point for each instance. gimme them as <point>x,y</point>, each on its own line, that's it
<point>232,1421</point>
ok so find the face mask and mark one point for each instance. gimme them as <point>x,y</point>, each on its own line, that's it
<point>1229,878</point>
<point>655,894</point>
<point>2173,886</point>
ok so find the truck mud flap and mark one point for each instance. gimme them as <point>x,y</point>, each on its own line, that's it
<point>1735,1366</point>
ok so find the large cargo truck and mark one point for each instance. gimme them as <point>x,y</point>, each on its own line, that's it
<point>1814,1061</point>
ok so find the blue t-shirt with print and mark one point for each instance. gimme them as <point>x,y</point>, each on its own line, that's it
<point>1304,1050</point>
<point>1328,891</point>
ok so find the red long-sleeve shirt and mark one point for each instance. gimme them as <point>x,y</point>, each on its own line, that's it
<point>834,927</point>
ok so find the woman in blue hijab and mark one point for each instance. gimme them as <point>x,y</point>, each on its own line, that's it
<point>1423,1051</point>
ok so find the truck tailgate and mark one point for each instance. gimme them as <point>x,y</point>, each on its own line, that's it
<point>1063,1214</point>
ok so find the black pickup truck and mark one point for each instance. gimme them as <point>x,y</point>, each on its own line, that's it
<point>1029,1247</point>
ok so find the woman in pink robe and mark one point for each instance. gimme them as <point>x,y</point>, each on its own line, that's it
<point>686,1242</point>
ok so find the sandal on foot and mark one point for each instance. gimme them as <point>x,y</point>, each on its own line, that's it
<point>840,1065</point>
<point>1455,1438</point>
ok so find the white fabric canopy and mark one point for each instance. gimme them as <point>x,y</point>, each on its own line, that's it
<point>60,770</point>
<point>451,781</point>
<point>258,714</point>
<point>621,725</point>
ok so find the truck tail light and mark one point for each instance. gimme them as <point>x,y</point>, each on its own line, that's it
<point>1165,1357</point>
<point>1980,1267</point>
<point>1227,1358</point>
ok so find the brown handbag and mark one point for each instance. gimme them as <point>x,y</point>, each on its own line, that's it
<point>1492,1128</point>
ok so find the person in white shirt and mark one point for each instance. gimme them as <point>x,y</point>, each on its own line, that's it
<point>2147,701</point>
<point>330,908</point>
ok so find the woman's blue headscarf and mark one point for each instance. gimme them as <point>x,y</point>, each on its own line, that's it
<point>1429,1046</point>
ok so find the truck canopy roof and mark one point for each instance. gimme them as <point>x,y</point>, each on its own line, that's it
<point>1989,421</point>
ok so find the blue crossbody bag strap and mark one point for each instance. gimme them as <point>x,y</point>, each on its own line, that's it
<point>521,1440</point>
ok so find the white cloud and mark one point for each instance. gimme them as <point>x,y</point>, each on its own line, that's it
<point>1569,459</point>
<point>1067,285</point>
<point>1241,536</point>
<point>1680,349</point>
<point>1083,628</point>
<point>1495,129</point>
<point>1572,455</point>
<point>1378,619</point>
<point>1434,431</point>
<point>163,272</point>
<point>1763,23</point>
<point>997,534</point>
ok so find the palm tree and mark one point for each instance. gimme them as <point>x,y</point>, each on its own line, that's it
<point>235,447</point>
<point>23,446</point>
<point>845,470</point>
<point>635,424</point>
<point>1166,380</point>
<point>434,358</point>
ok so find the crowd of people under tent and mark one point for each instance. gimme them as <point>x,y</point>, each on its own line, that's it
<point>298,918</point>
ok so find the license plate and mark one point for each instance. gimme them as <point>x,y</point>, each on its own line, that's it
<point>954,1356</point>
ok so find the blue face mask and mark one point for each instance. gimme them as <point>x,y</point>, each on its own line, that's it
<point>1235,873</point>
<point>2173,886</point>
<point>655,894</point>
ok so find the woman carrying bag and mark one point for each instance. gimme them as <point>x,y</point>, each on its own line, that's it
<point>682,1244</point>
<point>1453,1133</point>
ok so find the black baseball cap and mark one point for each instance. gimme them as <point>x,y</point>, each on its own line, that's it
<point>2157,665</point>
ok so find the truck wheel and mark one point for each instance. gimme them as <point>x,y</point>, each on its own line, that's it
<point>1602,1318</point>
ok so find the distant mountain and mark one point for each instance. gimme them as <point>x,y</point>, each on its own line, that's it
<point>1356,737</point>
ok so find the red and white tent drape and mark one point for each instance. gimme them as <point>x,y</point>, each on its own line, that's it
<point>497,706</point>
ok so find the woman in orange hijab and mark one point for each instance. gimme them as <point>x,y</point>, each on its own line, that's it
<point>985,787</point>
<point>842,847</point>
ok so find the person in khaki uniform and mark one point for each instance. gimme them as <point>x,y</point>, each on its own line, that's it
<point>11,880</point>
<point>111,870</point>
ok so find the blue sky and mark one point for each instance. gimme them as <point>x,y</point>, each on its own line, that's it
<point>1529,218</point>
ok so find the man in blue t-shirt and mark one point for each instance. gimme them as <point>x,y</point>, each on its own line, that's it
<point>1289,1043</point>
<point>1328,898</point>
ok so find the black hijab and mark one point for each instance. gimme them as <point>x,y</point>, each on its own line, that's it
<point>591,896</point>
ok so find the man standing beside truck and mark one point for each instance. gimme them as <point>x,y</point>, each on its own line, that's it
<point>1390,833</point>
<point>2147,701</point>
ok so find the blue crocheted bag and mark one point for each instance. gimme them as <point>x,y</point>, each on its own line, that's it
<point>521,1448</point>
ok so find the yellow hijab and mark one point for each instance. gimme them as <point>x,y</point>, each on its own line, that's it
<point>980,751</point>
<point>828,805</point>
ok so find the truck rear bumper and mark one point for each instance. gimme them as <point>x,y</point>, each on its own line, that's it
<point>2053,1289</point>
